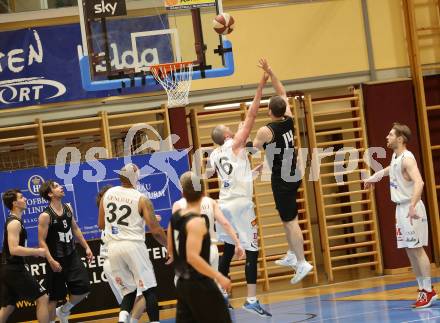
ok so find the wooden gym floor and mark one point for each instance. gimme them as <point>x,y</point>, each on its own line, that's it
<point>377,299</point>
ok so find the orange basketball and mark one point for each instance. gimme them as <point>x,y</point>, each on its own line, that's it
<point>223,24</point>
<point>171,2</point>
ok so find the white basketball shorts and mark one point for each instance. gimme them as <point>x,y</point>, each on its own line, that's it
<point>131,266</point>
<point>413,235</point>
<point>112,282</point>
<point>240,213</point>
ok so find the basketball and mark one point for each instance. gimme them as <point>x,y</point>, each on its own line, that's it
<point>223,24</point>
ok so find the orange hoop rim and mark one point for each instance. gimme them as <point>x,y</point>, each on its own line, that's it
<point>161,69</point>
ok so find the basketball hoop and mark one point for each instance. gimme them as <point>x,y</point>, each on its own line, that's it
<point>175,78</point>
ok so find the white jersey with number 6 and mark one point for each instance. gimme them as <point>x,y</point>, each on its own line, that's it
<point>234,172</point>
<point>122,218</point>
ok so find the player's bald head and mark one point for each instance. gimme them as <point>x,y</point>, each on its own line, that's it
<point>218,134</point>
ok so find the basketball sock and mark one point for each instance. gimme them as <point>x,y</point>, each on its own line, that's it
<point>427,284</point>
<point>123,316</point>
<point>152,304</point>
<point>67,307</point>
<point>420,282</point>
<point>251,300</point>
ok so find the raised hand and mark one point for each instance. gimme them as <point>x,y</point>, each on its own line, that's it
<point>264,65</point>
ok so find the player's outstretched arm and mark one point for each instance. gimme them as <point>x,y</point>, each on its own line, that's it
<point>276,83</point>
<point>196,229</point>
<point>244,132</point>
<point>147,212</point>
<point>370,181</point>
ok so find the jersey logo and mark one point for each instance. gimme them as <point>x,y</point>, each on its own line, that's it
<point>65,224</point>
<point>66,236</point>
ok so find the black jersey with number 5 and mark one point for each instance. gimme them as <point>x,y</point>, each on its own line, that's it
<point>59,238</point>
<point>283,135</point>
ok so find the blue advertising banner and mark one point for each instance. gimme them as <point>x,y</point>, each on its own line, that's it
<point>40,65</point>
<point>159,182</point>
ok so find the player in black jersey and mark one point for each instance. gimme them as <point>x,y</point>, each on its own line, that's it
<point>199,299</point>
<point>65,271</point>
<point>277,138</point>
<point>16,280</point>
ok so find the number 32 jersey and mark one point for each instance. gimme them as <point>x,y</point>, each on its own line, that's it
<point>122,218</point>
<point>234,172</point>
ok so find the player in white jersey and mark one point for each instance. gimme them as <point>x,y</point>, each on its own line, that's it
<point>406,186</point>
<point>139,305</point>
<point>123,213</point>
<point>236,189</point>
<point>210,208</point>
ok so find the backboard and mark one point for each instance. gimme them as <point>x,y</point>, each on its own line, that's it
<point>121,39</point>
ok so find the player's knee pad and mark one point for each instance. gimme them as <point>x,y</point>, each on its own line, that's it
<point>151,303</point>
<point>127,302</point>
<point>251,266</point>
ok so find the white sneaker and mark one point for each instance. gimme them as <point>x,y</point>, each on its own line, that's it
<point>302,269</point>
<point>289,260</point>
<point>63,316</point>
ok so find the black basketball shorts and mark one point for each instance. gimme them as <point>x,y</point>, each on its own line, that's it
<point>73,278</point>
<point>18,284</point>
<point>284,195</point>
<point>200,300</point>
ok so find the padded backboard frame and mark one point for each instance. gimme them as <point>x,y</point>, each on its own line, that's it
<point>140,76</point>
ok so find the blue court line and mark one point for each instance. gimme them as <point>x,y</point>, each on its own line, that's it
<point>326,309</point>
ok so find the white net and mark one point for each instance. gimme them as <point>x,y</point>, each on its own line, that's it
<point>176,80</point>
